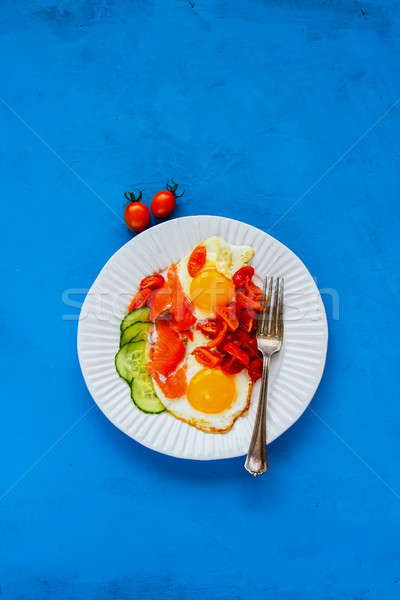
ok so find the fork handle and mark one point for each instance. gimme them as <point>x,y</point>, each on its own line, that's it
<point>256,461</point>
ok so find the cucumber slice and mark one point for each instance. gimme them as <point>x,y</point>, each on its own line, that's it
<point>143,334</point>
<point>139,314</point>
<point>143,394</point>
<point>137,331</point>
<point>130,359</point>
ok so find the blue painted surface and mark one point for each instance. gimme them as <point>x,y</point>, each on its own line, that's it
<point>247,104</point>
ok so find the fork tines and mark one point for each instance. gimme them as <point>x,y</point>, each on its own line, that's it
<point>270,320</point>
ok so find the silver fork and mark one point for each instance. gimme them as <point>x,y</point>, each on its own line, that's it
<point>269,341</point>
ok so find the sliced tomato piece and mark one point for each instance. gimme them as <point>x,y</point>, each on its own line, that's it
<point>227,338</point>
<point>238,353</point>
<point>241,338</point>
<point>206,357</point>
<point>152,281</point>
<point>139,300</point>
<point>210,327</point>
<point>247,303</point>
<point>241,275</point>
<point>252,290</point>
<point>228,314</point>
<point>252,348</point>
<point>255,369</point>
<point>197,260</point>
<point>248,321</point>
<point>230,365</point>
<point>216,341</point>
<point>159,301</point>
<point>236,308</point>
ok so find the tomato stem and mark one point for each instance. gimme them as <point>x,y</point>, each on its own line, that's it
<point>173,188</point>
<point>130,196</point>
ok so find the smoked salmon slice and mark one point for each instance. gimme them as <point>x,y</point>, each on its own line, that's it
<point>174,386</point>
<point>159,301</point>
<point>166,360</point>
<point>182,308</point>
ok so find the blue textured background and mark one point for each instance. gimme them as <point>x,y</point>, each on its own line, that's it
<point>247,103</point>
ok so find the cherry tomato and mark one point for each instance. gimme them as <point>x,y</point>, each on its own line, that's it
<point>241,275</point>
<point>248,321</point>
<point>251,347</point>
<point>241,338</point>
<point>234,306</point>
<point>230,365</point>
<point>140,299</point>
<point>227,338</point>
<point>164,201</point>
<point>197,260</point>
<point>255,369</point>
<point>210,327</point>
<point>220,336</point>
<point>252,290</point>
<point>152,281</point>
<point>136,214</point>
<point>229,316</point>
<point>206,357</point>
<point>234,350</point>
<point>247,303</point>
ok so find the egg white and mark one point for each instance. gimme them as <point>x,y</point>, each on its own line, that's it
<point>212,423</point>
<point>225,258</point>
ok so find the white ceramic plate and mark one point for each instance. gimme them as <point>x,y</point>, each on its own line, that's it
<point>295,372</point>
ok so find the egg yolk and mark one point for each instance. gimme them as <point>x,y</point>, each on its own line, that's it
<point>210,288</point>
<point>211,391</point>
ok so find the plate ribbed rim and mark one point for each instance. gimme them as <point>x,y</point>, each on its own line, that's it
<point>295,373</point>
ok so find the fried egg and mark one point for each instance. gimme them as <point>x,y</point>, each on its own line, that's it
<point>213,399</point>
<point>213,285</point>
